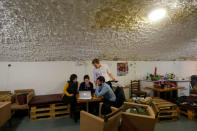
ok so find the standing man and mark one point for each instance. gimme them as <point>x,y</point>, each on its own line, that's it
<point>102,70</point>
<point>106,91</point>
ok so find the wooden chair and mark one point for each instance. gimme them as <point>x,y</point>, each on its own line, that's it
<point>12,98</point>
<point>135,89</point>
<point>89,122</point>
<point>16,105</point>
<point>6,96</point>
<point>137,122</point>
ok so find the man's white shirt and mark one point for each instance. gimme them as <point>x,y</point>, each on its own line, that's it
<point>102,71</point>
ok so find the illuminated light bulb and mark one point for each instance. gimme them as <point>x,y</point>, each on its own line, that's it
<point>157,14</point>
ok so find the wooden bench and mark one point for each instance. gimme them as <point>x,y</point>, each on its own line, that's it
<point>46,107</point>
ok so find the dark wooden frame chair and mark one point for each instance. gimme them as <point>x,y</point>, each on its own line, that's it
<point>135,89</point>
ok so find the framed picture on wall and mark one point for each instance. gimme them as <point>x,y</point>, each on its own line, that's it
<point>122,69</point>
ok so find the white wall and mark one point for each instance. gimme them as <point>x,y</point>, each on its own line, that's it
<point>50,77</point>
<point>140,69</point>
<point>44,77</point>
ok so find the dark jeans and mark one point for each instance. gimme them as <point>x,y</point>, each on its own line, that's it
<point>93,107</point>
<point>106,107</point>
<point>72,101</point>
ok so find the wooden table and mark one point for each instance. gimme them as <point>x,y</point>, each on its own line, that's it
<point>87,101</point>
<point>180,83</point>
<point>159,90</point>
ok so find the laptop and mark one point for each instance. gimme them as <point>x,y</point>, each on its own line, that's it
<point>85,95</point>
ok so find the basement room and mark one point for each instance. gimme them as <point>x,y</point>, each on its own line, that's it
<point>98,65</point>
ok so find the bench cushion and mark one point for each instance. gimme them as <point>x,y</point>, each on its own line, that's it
<point>46,99</point>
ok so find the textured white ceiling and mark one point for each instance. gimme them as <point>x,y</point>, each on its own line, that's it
<point>57,30</point>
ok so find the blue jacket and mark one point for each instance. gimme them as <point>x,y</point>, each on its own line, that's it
<point>105,91</point>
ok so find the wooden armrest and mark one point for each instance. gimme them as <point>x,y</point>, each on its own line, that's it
<point>134,104</point>
<point>29,97</point>
<point>115,111</point>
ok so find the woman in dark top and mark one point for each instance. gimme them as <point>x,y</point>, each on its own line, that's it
<point>86,85</point>
<point>69,95</point>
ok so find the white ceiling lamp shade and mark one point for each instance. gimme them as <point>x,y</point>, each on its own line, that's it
<point>157,14</point>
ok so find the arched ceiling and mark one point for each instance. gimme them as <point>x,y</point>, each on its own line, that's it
<point>58,30</point>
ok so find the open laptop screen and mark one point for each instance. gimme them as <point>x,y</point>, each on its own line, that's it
<point>85,95</point>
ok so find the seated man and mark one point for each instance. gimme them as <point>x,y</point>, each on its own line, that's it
<point>107,93</point>
<point>86,85</point>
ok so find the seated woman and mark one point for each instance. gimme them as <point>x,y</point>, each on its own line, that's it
<point>69,95</point>
<point>86,85</point>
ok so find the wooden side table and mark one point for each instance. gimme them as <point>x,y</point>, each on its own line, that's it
<point>159,90</point>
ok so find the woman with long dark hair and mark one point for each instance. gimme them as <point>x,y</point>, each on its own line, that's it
<point>86,85</point>
<point>69,95</point>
